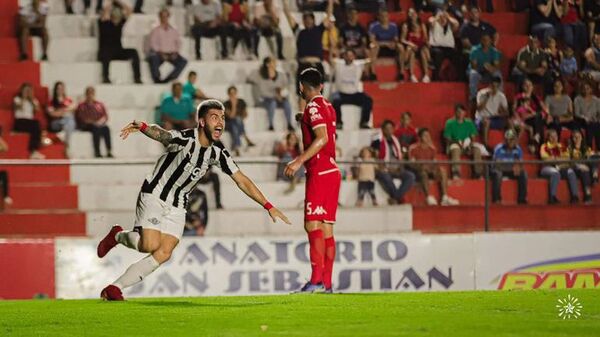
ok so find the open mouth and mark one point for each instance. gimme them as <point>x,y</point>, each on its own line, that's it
<point>217,133</point>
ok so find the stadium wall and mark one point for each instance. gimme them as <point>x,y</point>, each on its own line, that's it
<point>277,265</point>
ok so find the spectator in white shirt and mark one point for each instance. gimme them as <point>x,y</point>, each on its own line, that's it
<point>492,109</point>
<point>208,23</point>
<point>442,42</point>
<point>348,72</point>
<point>165,43</point>
<point>32,22</point>
<point>25,106</point>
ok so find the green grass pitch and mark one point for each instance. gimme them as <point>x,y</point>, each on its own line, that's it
<point>490,313</point>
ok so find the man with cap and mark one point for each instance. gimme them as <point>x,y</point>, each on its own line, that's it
<point>508,156</point>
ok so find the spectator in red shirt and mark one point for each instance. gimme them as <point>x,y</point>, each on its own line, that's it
<point>406,132</point>
<point>425,150</point>
<point>91,116</point>
<point>573,29</point>
<point>237,25</point>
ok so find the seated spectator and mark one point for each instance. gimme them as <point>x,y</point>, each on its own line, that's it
<point>460,133</point>
<point>532,63</point>
<point>578,150</point>
<point>554,58</point>
<point>592,15</point>
<point>442,27</point>
<point>406,132</point>
<point>587,114</point>
<point>424,150</point>
<point>5,197</point>
<point>508,157</point>
<point>529,114</point>
<point>237,25</point>
<point>492,109</point>
<point>553,151</point>
<point>385,42</point>
<point>484,65</point>
<point>353,36</point>
<point>25,105</point>
<point>91,116</point>
<point>592,59</point>
<point>309,41</point>
<point>287,151</point>
<point>86,6</point>
<point>366,177</point>
<point>574,32</point>
<point>196,215</point>
<point>560,109</point>
<point>414,37</point>
<point>110,27</point>
<point>208,23</point>
<point>190,89</point>
<point>32,22</point>
<point>235,112</point>
<point>348,88</point>
<point>473,29</point>
<point>388,148</point>
<point>61,112</point>
<point>272,86</point>
<point>165,43</point>
<point>177,110</point>
<point>213,178</point>
<point>568,65</point>
<point>266,21</point>
<point>543,19</point>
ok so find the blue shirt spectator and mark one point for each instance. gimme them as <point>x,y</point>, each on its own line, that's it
<point>481,57</point>
<point>503,153</point>
<point>383,34</point>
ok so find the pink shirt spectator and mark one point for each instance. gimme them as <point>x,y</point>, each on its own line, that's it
<point>165,40</point>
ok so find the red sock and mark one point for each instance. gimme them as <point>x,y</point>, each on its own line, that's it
<point>317,255</point>
<point>329,258</point>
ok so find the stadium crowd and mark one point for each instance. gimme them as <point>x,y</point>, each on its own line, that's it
<point>556,73</point>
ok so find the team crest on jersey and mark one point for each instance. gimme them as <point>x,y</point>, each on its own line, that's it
<point>312,104</point>
<point>154,221</point>
<point>213,162</point>
<point>318,210</point>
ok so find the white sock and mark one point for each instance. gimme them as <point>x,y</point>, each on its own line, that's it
<point>136,272</point>
<point>128,239</point>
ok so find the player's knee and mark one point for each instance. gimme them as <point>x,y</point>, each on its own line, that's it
<point>162,255</point>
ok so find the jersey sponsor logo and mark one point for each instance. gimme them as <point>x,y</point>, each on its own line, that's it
<point>318,210</point>
<point>312,104</point>
<point>213,162</point>
<point>196,172</point>
<point>154,221</point>
<point>315,117</point>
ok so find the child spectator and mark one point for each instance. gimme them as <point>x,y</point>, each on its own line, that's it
<point>568,65</point>
<point>366,177</point>
<point>25,106</point>
<point>91,116</point>
<point>406,132</point>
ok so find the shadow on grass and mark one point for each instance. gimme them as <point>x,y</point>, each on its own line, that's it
<point>184,304</point>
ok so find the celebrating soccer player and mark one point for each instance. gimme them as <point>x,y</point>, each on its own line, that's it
<point>323,179</point>
<point>161,204</point>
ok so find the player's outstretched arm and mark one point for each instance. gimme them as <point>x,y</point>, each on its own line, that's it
<point>153,131</point>
<point>247,186</point>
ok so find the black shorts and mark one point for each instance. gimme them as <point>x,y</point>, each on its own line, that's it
<point>302,66</point>
<point>36,31</point>
<point>387,52</point>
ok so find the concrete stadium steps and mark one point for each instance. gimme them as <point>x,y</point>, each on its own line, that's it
<point>468,219</point>
<point>18,148</point>
<point>14,74</point>
<point>37,174</point>
<point>100,197</point>
<point>43,196</point>
<point>42,223</point>
<point>210,73</point>
<point>150,6</point>
<point>380,220</point>
<point>10,50</point>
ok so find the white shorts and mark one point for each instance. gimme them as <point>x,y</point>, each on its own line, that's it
<point>153,213</point>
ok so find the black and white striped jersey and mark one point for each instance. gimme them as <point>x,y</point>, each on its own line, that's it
<point>178,170</point>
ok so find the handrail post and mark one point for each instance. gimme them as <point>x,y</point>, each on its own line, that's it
<point>486,220</point>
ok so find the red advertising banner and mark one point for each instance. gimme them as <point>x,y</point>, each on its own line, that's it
<point>27,268</point>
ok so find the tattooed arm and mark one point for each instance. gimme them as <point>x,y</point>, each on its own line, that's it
<point>153,131</point>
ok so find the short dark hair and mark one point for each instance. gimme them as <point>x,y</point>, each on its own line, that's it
<point>311,77</point>
<point>231,88</point>
<point>176,84</point>
<point>207,105</point>
<point>192,73</point>
<point>459,106</point>
<point>422,131</point>
<point>309,14</point>
<point>386,122</point>
<point>406,113</point>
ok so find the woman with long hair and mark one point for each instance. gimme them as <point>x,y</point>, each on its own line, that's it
<point>578,150</point>
<point>61,112</point>
<point>415,38</point>
<point>25,105</point>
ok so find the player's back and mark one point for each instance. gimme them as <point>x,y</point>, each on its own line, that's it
<point>319,113</point>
